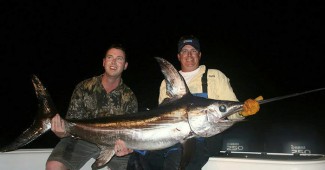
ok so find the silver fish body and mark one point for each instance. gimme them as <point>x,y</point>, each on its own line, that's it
<point>157,129</point>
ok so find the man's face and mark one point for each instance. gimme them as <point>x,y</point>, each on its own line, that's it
<point>189,58</point>
<point>114,62</point>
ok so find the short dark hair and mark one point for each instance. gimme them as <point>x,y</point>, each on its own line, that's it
<point>188,40</point>
<point>120,47</point>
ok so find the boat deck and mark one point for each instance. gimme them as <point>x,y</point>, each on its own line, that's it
<point>33,159</point>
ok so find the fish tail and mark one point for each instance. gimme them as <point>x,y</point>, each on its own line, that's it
<point>41,124</point>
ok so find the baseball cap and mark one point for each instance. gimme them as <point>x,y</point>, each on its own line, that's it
<point>188,40</point>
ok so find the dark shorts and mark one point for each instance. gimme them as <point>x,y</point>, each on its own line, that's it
<point>170,158</point>
<point>75,153</point>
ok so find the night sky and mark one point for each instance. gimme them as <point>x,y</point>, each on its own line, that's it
<point>268,48</point>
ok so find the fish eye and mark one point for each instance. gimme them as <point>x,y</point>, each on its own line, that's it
<point>222,108</point>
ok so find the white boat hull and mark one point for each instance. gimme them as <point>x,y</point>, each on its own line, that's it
<point>255,164</point>
<point>34,159</point>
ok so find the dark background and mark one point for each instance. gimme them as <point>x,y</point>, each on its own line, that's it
<point>268,48</point>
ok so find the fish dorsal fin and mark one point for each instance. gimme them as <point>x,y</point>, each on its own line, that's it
<point>175,83</point>
<point>104,157</point>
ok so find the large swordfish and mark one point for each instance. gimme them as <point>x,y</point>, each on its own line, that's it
<point>178,119</point>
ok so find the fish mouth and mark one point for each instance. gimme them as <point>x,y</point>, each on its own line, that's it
<point>233,110</point>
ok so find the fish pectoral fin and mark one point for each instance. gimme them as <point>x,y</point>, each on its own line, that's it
<point>104,157</point>
<point>188,149</point>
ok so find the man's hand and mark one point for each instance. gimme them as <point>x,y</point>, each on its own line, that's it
<point>121,149</point>
<point>251,106</point>
<point>57,126</point>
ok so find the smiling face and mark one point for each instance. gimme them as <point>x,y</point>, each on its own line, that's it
<point>189,58</point>
<point>114,62</point>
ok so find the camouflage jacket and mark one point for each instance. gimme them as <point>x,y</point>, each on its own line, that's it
<point>90,100</point>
